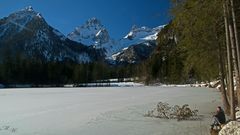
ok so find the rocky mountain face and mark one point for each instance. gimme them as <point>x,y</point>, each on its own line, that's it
<point>134,54</point>
<point>92,33</point>
<point>135,47</point>
<point>26,33</point>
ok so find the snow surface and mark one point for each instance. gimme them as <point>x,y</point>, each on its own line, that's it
<point>101,111</point>
<point>39,15</point>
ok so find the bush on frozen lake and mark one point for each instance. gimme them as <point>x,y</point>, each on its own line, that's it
<point>165,111</point>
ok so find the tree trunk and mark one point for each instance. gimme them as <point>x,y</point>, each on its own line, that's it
<point>229,61</point>
<point>223,86</point>
<point>237,48</point>
<point>230,66</point>
<point>222,75</point>
<point>235,34</point>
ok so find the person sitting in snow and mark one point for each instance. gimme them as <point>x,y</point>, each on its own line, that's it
<point>219,118</point>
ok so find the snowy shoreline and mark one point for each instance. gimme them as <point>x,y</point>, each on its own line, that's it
<point>82,85</point>
<point>114,83</point>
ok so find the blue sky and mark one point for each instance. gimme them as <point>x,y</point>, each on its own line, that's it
<point>117,16</point>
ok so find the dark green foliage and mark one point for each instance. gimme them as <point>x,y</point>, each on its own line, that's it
<point>200,29</point>
<point>19,70</point>
<point>166,64</point>
<point>188,48</point>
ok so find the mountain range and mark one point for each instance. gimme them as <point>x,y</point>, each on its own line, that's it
<point>26,33</point>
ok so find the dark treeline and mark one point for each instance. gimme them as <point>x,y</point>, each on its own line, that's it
<point>16,70</point>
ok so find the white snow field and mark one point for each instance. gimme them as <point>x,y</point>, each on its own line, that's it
<point>101,111</point>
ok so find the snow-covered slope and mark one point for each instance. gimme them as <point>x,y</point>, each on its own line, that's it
<point>93,33</point>
<point>27,33</point>
<point>134,54</point>
<point>143,37</point>
<point>143,33</point>
<point>18,21</point>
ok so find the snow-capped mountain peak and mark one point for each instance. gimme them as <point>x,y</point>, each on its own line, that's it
<point>142,33</point>
<point>28,33</point>
<point>93,33</point>
<point>18,21</point>
<point>139,35</point>
<point>29,8</point>
<point>27,14</point>
<point>28,11</point>
<point>90,33</point>
<point>136,45</point>
<point>94,22</point>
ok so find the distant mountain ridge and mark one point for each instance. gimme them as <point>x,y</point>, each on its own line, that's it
<point>27,33</point>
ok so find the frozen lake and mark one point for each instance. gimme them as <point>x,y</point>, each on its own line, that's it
<point>101,111</point>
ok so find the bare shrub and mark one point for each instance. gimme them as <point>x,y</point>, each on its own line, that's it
<point>165,111</point>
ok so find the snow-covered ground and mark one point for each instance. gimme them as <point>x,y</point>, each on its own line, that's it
<point>101,111</point>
